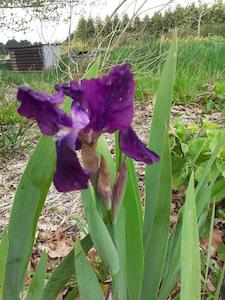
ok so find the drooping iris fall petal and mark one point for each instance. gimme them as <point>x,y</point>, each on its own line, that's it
<point>69,175</point>
<point>133,147</point>
<point>43,109</point>
<point>56,98</point>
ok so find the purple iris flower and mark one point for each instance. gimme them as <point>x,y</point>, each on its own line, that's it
<point>99,105</point>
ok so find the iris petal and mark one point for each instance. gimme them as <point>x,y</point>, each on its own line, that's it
<point>109,99</point>
<point>43,109</point>
<point>69,175</point>
<point>79,116</point>
<point>56,99</point>
<point>133,147</point>
<point>72,90</point>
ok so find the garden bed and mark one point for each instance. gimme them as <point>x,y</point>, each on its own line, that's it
<point>64,210</point>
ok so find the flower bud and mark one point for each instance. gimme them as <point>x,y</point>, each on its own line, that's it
<point>103,183</point>
<point>90,158</point>
<point>119,189</point>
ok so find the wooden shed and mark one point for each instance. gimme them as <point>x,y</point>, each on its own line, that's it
<point>34,58</point>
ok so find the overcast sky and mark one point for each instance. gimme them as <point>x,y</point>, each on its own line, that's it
<point>47,33</point>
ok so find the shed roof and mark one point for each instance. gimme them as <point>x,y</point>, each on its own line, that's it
<point>32,46</point>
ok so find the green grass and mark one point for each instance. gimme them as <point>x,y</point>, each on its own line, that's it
<point>200,62</point>
<point>37,80</point>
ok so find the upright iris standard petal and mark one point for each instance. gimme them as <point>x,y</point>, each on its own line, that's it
<point>69,175</point>
<point>72,90</point>
<point>80,118</point>
<point>109,99</point>
<point>133,147</point>
<point>43,109</point>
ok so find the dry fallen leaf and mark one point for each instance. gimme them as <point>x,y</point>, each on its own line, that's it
<point>28,280</point>
<point>92,254</point>
<point>61,249</point>
<point>56,244</point>
<point>216,241</point>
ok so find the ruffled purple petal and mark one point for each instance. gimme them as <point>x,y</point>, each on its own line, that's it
<point>56,98</point>
<point>43,109</point>
<point>69,175</point>
<point>72,90</point>
<point>133,147</point>
<point>109,99</point>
